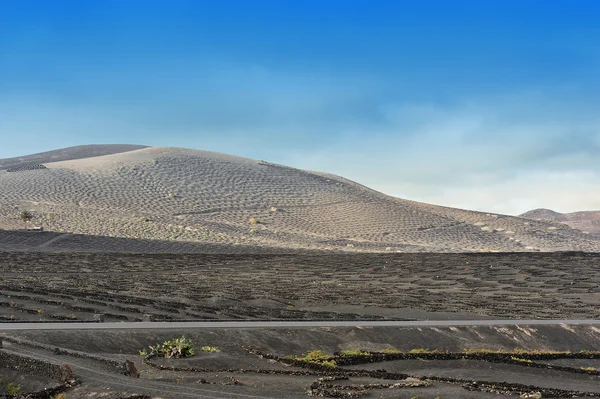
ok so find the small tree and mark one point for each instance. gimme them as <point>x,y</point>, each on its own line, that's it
<point>26,216</point>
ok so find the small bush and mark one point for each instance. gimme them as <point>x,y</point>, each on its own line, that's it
<point>329,363</point>
<point>175,348</point>
<point>478,350</point>
<point>420,350</point>
<point>354,352</point>
<point>9,387</point>
<point>521,360</point>
<point>13,389</point>
<point>212,349</point>
<point>26,216</point>
<point>390,351</point>
<point>316,357</point>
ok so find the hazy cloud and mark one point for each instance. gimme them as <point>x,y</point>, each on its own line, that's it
<point>477,155</point>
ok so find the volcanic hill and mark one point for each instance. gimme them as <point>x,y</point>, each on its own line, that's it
<point>587,221</point>
<point>189,196</point>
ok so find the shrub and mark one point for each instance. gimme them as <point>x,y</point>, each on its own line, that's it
<point>9,387</point>
<point>390,351</point>
<point>26,216</point>
<point>520,360</point>
<point>354,352</point>
<point>420,350</point>
<point>328,363</point>
<point>316,357</point>
<point>13,389</point>
<point>177,347</point>
<point>212,349</point>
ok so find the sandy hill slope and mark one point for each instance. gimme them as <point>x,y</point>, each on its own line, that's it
<point>587,221</point>
<point>186,195</point>
<point>66,154</point>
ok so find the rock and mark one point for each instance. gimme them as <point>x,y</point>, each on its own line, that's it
<point>131,369</point>
<point>66,375</point>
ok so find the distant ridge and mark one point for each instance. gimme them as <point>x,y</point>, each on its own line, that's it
<point>67,154</point>
<point>587,221</point>
<point>192,196</point>
<point>545,214</point>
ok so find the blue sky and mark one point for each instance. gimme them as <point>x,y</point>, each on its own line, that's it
<point>487,105</point>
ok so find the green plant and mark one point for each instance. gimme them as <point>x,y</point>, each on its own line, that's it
<point>316,357</point>
<point>212,349</point>
<point>26,216</point>
<point>9,387</point>
<point>13,389</point>
<point>177,347</point>
<point>390,351</point>
<point>354,352</point>
<point>521,360</point>
<point>423,350</point>
<point>328,363</point>
<point>477,350</point>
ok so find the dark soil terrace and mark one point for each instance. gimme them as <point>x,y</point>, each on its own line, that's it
<point>254,363</point>
<point>76,286</point>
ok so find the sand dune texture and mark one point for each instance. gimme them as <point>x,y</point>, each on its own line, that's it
<point>182,195</point>
<point>587,221</point>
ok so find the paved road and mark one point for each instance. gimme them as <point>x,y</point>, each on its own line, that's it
<point>281,324</point>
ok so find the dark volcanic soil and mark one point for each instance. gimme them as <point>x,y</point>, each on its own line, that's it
<point>251,362</point>
<point>37,286</point>
<point>78,286</point>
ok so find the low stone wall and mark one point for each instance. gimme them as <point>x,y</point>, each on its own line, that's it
<point>29,365</point>
<point>32,366</point>
<point>118,366</point>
